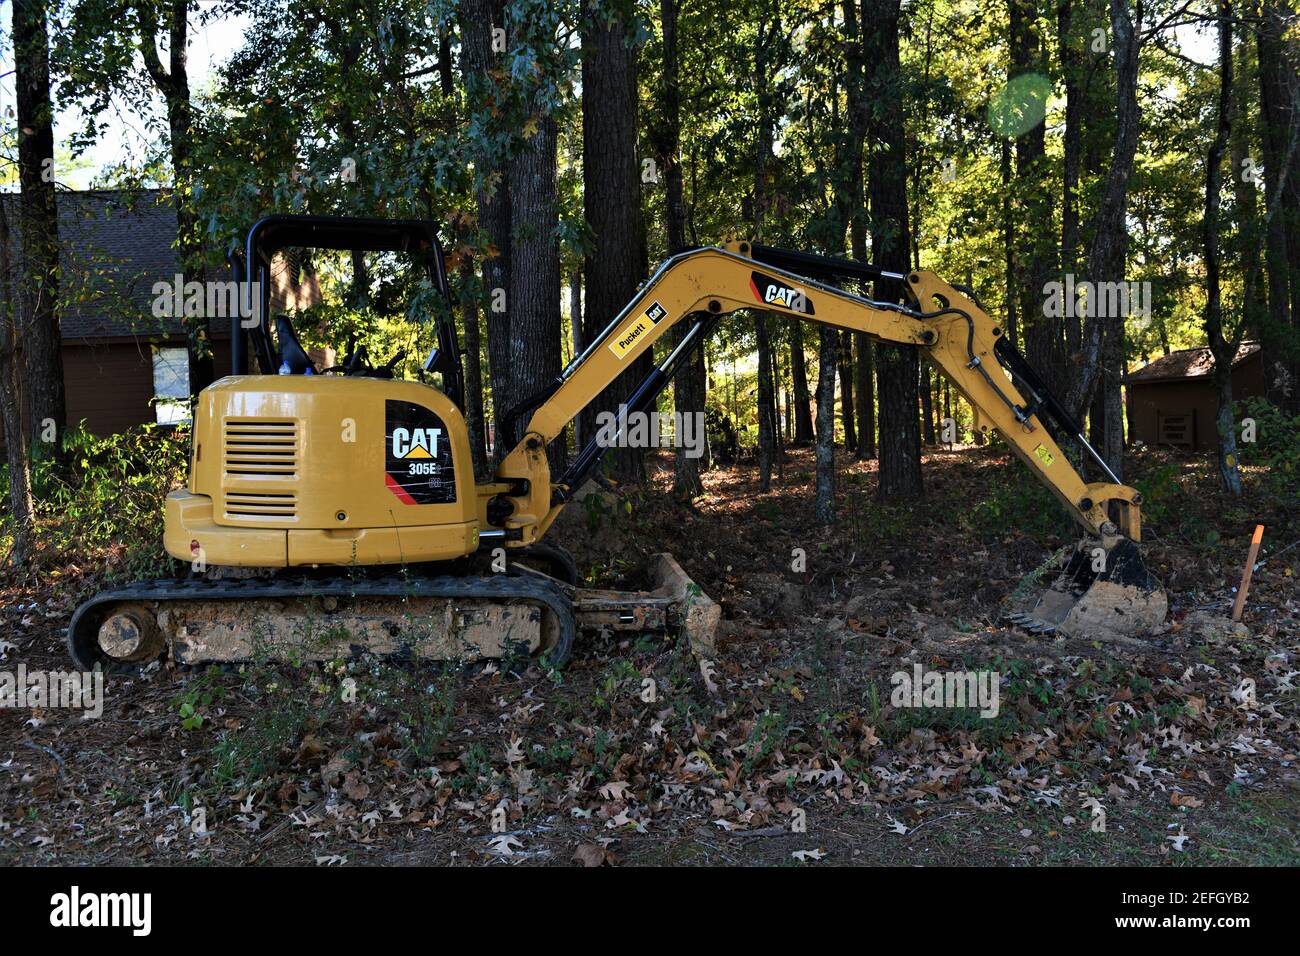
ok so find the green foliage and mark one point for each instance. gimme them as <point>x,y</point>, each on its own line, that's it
<point>1018,501</point>
<point>200,694</point>
<point>254,751</point>
<point>1160,492</point>
<point>424,699</point>
<point>108,492</point>
<point>1276,449</point>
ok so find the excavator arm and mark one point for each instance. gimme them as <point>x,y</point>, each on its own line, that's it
<point>695,288</point>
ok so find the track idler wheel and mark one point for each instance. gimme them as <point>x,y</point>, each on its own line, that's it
<point>117,638</point>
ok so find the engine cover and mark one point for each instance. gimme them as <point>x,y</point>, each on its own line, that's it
<point>320,469</point>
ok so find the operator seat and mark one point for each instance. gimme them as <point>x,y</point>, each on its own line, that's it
<point>291,350</point>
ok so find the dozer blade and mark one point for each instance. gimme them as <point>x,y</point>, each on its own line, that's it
<point>1101,593</point>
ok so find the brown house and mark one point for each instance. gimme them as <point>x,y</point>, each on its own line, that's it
<point>121,363</point>
<point>1172,401</point>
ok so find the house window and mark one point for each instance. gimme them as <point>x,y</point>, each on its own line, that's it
<point>171,385</point>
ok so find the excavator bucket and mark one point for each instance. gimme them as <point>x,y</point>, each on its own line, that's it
<point>1101,593</point>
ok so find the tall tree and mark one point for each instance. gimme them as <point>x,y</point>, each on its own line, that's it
<point>1222,346</point>
<point>38,227</point>
<point>827,351</point>
<point>768,29</point>
<point>859,121</point>
<point>535,322</point>
<point>1042,336</point>
<point>615,259</point>
<point>896,366</point>
<point>486,101</point>
<point>690,384</point>
<point>1102,367</point>
<point>20,490</point>
<point>1071,148</point>
<point>1280,115</point>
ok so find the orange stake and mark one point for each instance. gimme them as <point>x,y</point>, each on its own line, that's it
<point>1245,576</point>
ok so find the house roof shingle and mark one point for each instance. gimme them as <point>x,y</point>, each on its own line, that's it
<point>113,246</point>
<point>1185,364</point>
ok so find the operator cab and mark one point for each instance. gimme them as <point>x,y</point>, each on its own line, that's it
<point>283,352</point>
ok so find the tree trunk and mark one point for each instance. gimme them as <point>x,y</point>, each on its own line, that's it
<point>688,385</point>
<point>446,84</point>
<point>492,197</point>
<point>535,323</point>
<point>1009,303</point>
<point>575,335</point>
<point>1102,360</point>
<point>1245,199</point>
<point>767,29</point>
<point>828,348</point>
<point>20,492</point>
<point>846,391</point>
<point>611,203</point>
<point>1042,336</point>
<point>766,424</point>
<point>865,367</point>
<point>474,420</point>
<point>927,405</point>
<point>896,366</point>
<point>803,424</point>
<point>1223,348</point>
<point>39,230</point>
<point>1071,147</point>
<point>865,354</point>
<point>1280,118</point>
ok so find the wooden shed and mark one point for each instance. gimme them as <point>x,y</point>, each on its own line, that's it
<point>1172,401</point>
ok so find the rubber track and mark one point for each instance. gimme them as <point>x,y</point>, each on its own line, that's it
<point>83,631</point>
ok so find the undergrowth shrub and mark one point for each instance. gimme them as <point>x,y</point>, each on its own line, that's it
<point>107,493</point>
<point>1276,448</point>
<point>1015,498</point>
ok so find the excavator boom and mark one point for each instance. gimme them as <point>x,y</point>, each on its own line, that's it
<point>972,351</point>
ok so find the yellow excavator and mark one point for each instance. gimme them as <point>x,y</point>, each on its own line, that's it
<point>335,513</point>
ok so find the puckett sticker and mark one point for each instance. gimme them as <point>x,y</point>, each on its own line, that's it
<point>623,342</point>
<point>417,456</point>
<point>772,291</point>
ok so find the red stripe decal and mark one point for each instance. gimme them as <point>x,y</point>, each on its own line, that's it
<point>398,490</point>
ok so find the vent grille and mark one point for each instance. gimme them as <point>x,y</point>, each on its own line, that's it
<point>260,464</point>
<point>252,505</point>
